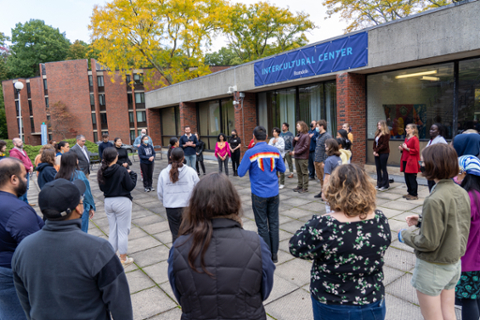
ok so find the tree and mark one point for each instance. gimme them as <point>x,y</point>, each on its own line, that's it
<point>3,76</point>
<point>78,50</point>
<point>32,43</point>
<point>223,57</point>
<point>167,35</point>
<point>366,13</point>
<point>262,30</point>
<point>62,121</point>
<point>3,117</point>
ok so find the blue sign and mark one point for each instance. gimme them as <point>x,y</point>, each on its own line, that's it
<point>44,134</point>
<point>341,54</point>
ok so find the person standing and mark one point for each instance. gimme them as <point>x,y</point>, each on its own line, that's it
<point>410,150</point>
<point>320,154</point>
<point>104,145</point>
<point>301,144</point>
<point>288,138</point>
<point>46,168</point>
<point>117,182</point>
<point>69,171</point>
<point>199,150</point>
<point>347,145</point>
<point>235,144</point>
<point>146,152</point>
<point>17,220</point>
<point>230,267</point>
<point>123,159</point>
<point>20,154</point>
<point>437,133</point>
<point>347,272</point>
<point>444,231</point>
<point>38,157</point>
<point>174,188</point>
<point>333,161</point>
<point>61,272</point>
<point>3,149</point>
<point>262,163</point>
<point>347,128</point>
<point>173,144</point>
<point>279,143</point>
<point>188,142</point>
<point>345,155</point>
<point>381,151</point>
<point>313,144</point>
<point>61,148</point>
<point>222,152</point>
<point>138,140</point>
<point>83,155</point>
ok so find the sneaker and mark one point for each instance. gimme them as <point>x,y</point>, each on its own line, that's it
<point>377,187</point>
<point>281,186</point>
<point>383,189</point>
<point>274,258</point>
<point>152,189</point>
<point>303,191</point>
<point>297,189</point>
<point>318,196</point>
<point>127,262</point>
<point>290,176</point>
<point>411,198</point>
<point>146,190</point>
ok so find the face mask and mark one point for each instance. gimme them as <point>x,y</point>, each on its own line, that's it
<point>145,142</point>
<point>317,129</point>
<point>311,126</point>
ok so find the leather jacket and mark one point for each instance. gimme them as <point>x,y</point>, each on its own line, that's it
<point>302,146</point>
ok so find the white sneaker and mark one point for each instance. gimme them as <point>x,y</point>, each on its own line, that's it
<point>281,186</point>
<point>127,262</point>
<point>376,188</point>
<point>383,189</point>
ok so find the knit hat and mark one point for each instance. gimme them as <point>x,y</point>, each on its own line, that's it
<point>469,164</point>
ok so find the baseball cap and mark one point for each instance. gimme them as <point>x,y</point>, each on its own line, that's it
<point>60,197</point>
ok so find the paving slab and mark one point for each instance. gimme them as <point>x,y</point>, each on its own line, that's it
<point>296,305</point>
<point>151,256</point>
<point>150,302</point>
<point>138,281</point>
<point>158,272</point>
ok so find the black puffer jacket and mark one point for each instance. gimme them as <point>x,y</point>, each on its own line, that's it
<point>234,256</point>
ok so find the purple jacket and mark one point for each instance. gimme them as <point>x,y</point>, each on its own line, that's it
<point>471,259</point>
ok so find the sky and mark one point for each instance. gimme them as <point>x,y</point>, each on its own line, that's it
<point>73,17</point>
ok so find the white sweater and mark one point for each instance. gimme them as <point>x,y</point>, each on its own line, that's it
<point>176,195</point>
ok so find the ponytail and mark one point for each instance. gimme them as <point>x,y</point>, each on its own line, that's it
<point>177,156</point>
<point>109,155</point>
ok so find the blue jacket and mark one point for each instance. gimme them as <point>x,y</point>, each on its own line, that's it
<point>263,177</point>
<point>138,141</point>
<point>189,151</point>
<point>88,202</point>
<point>46,173</point>
<point>102,146</point>
<point>17,220</point>
<point>313,139</point>
<point>145,152</point>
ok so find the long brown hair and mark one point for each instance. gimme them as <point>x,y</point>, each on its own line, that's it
<point>332,147</point>
<point>48,156</point>
<point>177,156</point>
<point>384,128</point>
<point>303,126</point>
<point>213,196</point>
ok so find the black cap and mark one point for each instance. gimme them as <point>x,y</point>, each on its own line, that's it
<point>59,197</point>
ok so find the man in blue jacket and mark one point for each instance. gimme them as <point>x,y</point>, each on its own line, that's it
<point>62,272</point>
<point>313,144</point>
<point>17,221</point>
<point>263,161</point>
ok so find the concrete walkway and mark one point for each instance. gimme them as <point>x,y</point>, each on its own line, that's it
<point>150,241</point>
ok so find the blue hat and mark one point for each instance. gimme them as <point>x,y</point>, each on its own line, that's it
<point>469,164</point>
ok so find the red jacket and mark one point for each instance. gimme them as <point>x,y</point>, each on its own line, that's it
<point>15,153</point>
<point>411,157</point>
<point>251,144</point>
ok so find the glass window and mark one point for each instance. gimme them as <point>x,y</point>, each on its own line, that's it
<point>129,97</point>
<point>28,87</point>
<point>103,117</point>
<point>141,116</point>
<point>209,122</point>
<point>132,136</point>
<point>469,95</point>
<point>95,137</point>
<point>130,116</point>
<point>228,116</point>
<point>32,125</point>
<point>418,95</point>
<point>101,99</point>
<point>311,102</point>
<point>94,118</point>
<point>170,123</point>
<point>90,81</point>
<point>50,137</point>
<point>46,103</point>
<point>100,81</point>
<point>331,106</point>
<point>92,99</point>
<point>30,107</point>
<point>140,97</point>
<point>128,79</point>
<point>45,87</point>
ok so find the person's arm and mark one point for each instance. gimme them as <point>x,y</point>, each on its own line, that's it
<point>415,147</point>
<point>160,187</point>
<point>304,144</point>
<point>239,143</point>
<point>171,275</point>
<point>22,294</point>
<point>88,192</point>
<point>306,245</point>
<point>228,150</point>
<point>129,162</point>
<point>154,153</point>
<point>268,268</point>
<point>244,165</point>
<point>384,143</point>
<point>100,151</point>
<point>23,222</point>
<point>141,153</point>
<point>217,149</point>
<point>201,148</point>
<point>195,141</point>
<point>113,285</point>
<point>129,180</point>
<point>281,145</point>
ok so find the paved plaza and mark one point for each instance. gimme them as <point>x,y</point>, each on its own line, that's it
<point>150,241</point>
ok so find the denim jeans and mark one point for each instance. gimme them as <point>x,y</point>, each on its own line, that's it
<point>372,311</point>
<point>191,160</point>
<point>24,197</point>
<point>266,218</point>
<point>10,307</point>
<point>85,219</point>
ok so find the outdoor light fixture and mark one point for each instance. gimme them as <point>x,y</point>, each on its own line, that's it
<point>232,89</point>
<point>430,78</point>
<point>19,86</point>
<point>425,73</point>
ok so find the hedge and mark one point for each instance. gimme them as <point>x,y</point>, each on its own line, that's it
<point>33,151</point>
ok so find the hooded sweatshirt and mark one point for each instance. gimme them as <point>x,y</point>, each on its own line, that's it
<point>176,195</point>
<point>345,155</point>
<point>46,173</point>
<point>118,182</point>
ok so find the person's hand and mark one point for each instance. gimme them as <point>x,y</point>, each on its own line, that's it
<point>151,158</point>
<point>292,153</point>
<point>129,171</point>
<point>125,164</point>
<point>412,220</point>
<point>91,213</point>
<point>296,138</point>
<point>31,170</point>
<point>311,135</point>
<point>138,146</point>
<point>400,148</point>
<point>404,146</point>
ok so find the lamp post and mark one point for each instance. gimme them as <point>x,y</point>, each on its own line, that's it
<point>19,87</point>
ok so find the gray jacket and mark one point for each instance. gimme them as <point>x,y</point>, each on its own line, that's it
<point>288,138</point>
<point>320,155</point>
<point>83,162</point>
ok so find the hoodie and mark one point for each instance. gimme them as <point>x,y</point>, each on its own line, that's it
<point>118,182</point>
<point>176,195</point>
<point>46,173</point>
<point>345,155</point>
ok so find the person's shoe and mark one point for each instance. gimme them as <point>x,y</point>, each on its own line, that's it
<point>274,258</point>
<point>303,191</point>
<point>198,173</point>
<point>411,197</point>
<point>311,178</point>
<point>204,173</point>
<point>152,189</point>
<point>297,189</point>
<point>290,176</point>
<point>281,186</point>
<point>405,196</point>
<point>318,196</point>
<point>146,190</point>
<point>383,189</point>
<point>127,262</point>
<point>377,187</point>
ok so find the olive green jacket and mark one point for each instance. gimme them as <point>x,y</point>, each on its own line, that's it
<point>445,225</point>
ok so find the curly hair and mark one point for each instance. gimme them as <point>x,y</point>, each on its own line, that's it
<point>350,191</point>
<point>48,156</point>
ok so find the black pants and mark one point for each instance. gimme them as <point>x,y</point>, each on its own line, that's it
<point>431,183</point>
<point>202,165</point>
<point>147,170</point>
<point>225,164</point>
<point>235,160</point>
<point>382,174</point>
<point>411,181</point>
<point>174,216</point>
<point>311,165</point>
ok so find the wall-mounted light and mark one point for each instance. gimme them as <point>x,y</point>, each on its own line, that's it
<point>424,73</point>
<point>232,89</point>
<point>430,78</point>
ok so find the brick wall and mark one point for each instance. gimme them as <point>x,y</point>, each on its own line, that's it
<point>188,116</point>
<point>117,108</point>
<point>38,105</point>
<point>247,121</point>
<point>153,123</point>
<point>351,108</point>
<point>10,113</point>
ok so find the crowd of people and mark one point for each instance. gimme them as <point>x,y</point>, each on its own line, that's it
<point>346,244</point>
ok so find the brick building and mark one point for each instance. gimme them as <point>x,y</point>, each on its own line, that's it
<point>407,71</point>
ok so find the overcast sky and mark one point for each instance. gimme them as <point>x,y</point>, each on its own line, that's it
<point>73,16</point>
